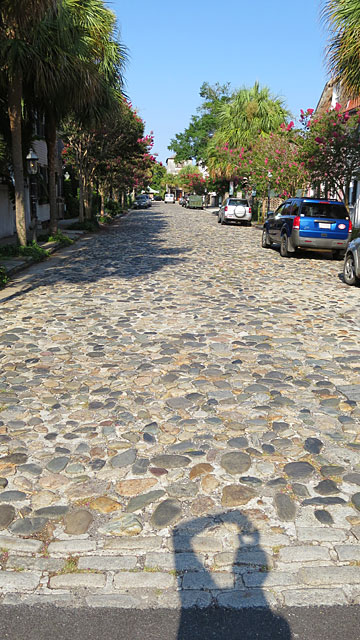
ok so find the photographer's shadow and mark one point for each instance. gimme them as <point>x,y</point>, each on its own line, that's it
<point>218,603</point>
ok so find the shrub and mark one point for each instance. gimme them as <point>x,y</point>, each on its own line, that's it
<point>36,253</point>
<point>61,239</point>
<point>3,277</point>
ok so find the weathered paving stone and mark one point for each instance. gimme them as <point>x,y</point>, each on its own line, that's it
<point>78,522</point>
<point>182,490</point>
<point>299,470</point>
<point>33,469</point>
<point>352,478</point>
<point>14,458</point>
<point>313,445</point>
<point>123,459</point>
<point>135,487</point>
<point>166,513</point>
<point>58,464</point>
<point>327,500</point>
<point>285,507</point>
<point>327,487</point>
<point>355,499</point>
<point>235,462</point>
<point>300,490</point>
<point>3,483</point>
<point>7,515</point>
<point>234,495</point>
<point>57,511</point>
<point>140,502</point>
<point>277,482</point>
<point>323,516</point>
<point>12,496</point>
<point>170,461</point>
<point>140,466</point>
<point>331,470</point>
<point>238,443</point>
<point>28,526</point>
<point>126,525</point>
<point>200,469</point>
<point>103,504</point>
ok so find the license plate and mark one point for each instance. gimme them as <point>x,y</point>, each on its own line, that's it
<point>324,225</point>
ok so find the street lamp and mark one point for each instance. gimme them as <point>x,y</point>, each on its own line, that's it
<point>32,169</point>
<point>269,189</point>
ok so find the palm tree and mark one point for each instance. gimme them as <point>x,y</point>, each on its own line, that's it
<point>249,113</point>
<point>17,21</point>
<point>343,52</point>
<point>82,69</point>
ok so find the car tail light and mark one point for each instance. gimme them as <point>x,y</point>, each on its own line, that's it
<point>249,209</point>
<point>350,226</point>
<point>226,208</point>
<point>296,223</point>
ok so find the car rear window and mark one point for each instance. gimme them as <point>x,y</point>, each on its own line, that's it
<point>324,210</point>
<point>236,202</point>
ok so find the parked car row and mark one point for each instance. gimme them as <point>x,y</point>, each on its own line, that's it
<point>311,223</point>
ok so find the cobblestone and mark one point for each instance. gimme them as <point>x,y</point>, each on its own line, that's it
<point>164,416</point>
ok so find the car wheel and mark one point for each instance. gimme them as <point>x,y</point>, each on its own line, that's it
<point>265,240</point>
<point>349,272</point>
<point>284,252</point>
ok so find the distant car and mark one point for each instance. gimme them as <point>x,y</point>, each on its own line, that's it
<point>182,201</point>
<point>235,210</point>
<point>351,270</point>
<point>142,202</point>
<point>169,198</point>
<point>147,197</point>
<point>308,223</point>
<point>157,198</point>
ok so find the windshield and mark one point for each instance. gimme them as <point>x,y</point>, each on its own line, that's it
<point>236,202</point>
<point>324,210</point>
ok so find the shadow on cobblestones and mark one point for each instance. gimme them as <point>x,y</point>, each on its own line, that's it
<point>130,248</point>
<point>217,602</point>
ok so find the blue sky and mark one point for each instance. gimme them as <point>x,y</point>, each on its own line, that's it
<point>175,47</point>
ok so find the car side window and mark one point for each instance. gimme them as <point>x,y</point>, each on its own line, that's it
<point>295,209</point>
<point>287,209</point>
<point>279,211</point>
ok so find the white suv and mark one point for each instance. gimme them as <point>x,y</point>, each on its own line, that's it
<point>169,197</point>
<point>235,210</point>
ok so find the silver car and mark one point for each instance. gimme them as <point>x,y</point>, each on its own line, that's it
<point>351,270</point>
<point>235,210</point>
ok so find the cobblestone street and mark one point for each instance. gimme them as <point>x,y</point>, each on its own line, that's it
<point>179,422</point>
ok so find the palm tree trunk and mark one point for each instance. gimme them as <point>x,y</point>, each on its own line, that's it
<point>14,110</point>
<point>102,200</point>
<point>50,137</point>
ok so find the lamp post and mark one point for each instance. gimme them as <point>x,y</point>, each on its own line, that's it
<point>269,189</point>
<point>32,169</point>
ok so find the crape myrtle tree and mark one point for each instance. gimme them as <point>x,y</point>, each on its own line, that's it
<point>114,156</point>
<point>191,180</point>
<point>331,150</point>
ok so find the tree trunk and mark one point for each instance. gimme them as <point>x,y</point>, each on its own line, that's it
<point>87,197</point>
<point>50,137</point>
<point>14,110</point>
<point>102,199</point>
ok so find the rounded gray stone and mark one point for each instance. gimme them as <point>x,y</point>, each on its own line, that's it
<point>139,502</point>
<point>123,459</point>
<point>12,496</point>
<point>55,511</point>
<point>235,462</point>
<point>326,487</point>
<point>182,489</point>
<point>356,500</point>
<point>78,522</point>
<point>7,515</point>
<point>167,461</point>
<point>285,507</point>
<point>323,516</point>
<point>27,526</point>
<point>299,469</point>
<point>57,464</point>
<point>167,512</point>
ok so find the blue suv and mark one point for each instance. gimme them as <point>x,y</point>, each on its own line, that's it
<point>308,223</point>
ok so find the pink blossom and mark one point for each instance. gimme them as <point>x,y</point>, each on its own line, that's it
<point>337,107</point>
<point>290,126</point>
<point>310,111</point>
<point>266,160</point>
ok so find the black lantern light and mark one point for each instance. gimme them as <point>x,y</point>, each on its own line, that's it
<point>32,169</point>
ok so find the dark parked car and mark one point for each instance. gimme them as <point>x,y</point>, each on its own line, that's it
<point>308,223</point>
<point>352,263</point>
<point>157,198</point>
<point>142,202</point>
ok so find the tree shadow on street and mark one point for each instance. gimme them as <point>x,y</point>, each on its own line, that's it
<point>224,605</point>
<point>129,248</point>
